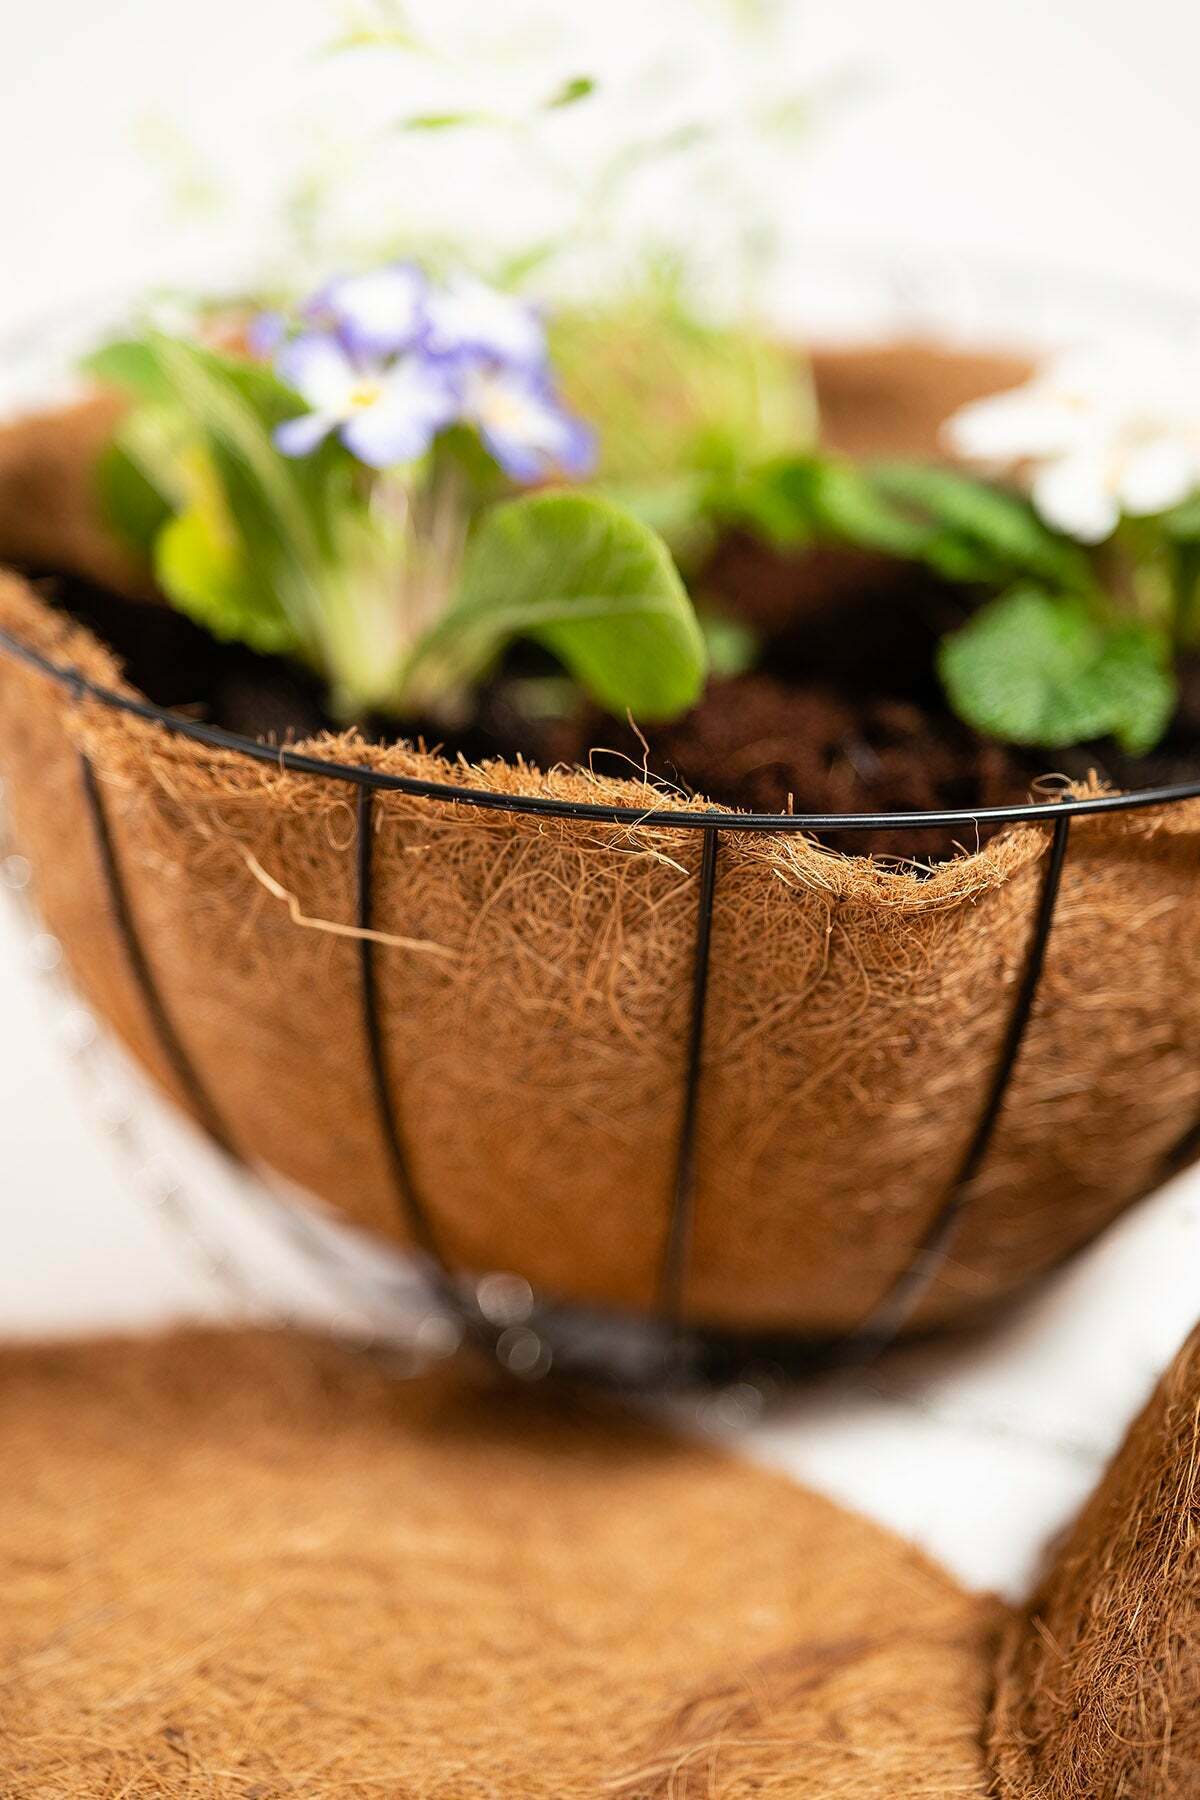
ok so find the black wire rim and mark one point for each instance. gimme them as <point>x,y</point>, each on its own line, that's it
<point>550,807</point>
<point>545,1334</point>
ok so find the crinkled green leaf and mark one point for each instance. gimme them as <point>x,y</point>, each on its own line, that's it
<point>283,555</point>
<point>593,585</point>
<point>1038,668</point>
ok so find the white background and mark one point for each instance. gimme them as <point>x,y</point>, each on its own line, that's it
<point>1066,133</point>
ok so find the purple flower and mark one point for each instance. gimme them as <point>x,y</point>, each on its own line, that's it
<point>385,413</point>
<point>378,313</point>
<point>467,318</point>
<point>524,425</point>
<point>265,332</point>
<point>388,361</point>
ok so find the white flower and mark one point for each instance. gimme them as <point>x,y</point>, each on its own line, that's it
<point>1099,433</point>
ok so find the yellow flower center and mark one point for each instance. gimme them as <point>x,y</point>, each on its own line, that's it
<point>364,395</point>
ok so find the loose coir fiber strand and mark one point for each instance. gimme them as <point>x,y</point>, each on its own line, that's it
<point>535,999</point>
<point>248,1567</point>
<point>1099,1687</point>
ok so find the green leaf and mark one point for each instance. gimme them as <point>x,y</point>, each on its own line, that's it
<point>589,582</point>
<point>257,550</point>
<point>442,121</point>
<point>385,25</point>
<point>842,502</point>
<point>793,500</point>
<point>964,530</point>
<point>199,568</point>
<point>579,87</point>
<point>732,646</point>
<point>367,37</point>
<point>130,502</point>
<point>1036,668</point>
<point>671,507</point>
<point>130,364</point>
<point>789,117</point>
<point>1003,527</point>
<point>1182,523</point>
<point>283,507</point>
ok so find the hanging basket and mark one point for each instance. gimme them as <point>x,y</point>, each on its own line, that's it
<point>650,1056</point>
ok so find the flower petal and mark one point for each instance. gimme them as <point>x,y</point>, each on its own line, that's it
<point>381,312</point>
<point>577,450</point>
<point>300,437</point>
<point>382,438</point>
<point>1024,424</point>
<point>524,425</point>
<point>265,333</point>
<point>467,317</point>
<point>1158,475</point>
<point>319,370</point>
<point>415,402</point>
<point>1073,496</point>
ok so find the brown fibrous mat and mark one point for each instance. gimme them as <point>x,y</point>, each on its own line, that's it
<point>245,1567</point>
<point>1099,1681</point>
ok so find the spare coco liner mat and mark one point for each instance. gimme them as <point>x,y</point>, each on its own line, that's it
<point>250,1566</point>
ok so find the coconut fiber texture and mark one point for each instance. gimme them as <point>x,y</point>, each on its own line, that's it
<point>1099,1687</point>
<point>534,983</point>
<point>254,1567</point>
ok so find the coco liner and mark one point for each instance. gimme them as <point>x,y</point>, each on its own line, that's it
<point>1097,1681</point>
<point>246,1564</point>
<point>268,1568</point>
<point>733,1075</point>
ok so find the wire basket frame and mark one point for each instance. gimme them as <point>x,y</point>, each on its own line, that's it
<point>528,1335</point>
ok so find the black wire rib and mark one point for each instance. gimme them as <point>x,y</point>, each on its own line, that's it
<point>180,1063</point>
<point>673,1274</point>
<point>901,1301</point>
<point>407,1194</point>
<point>547,806</point>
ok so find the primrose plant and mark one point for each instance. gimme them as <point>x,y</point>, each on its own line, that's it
<point>1076,549</point>
<point>1107,441</point>
<point>342,484</point>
